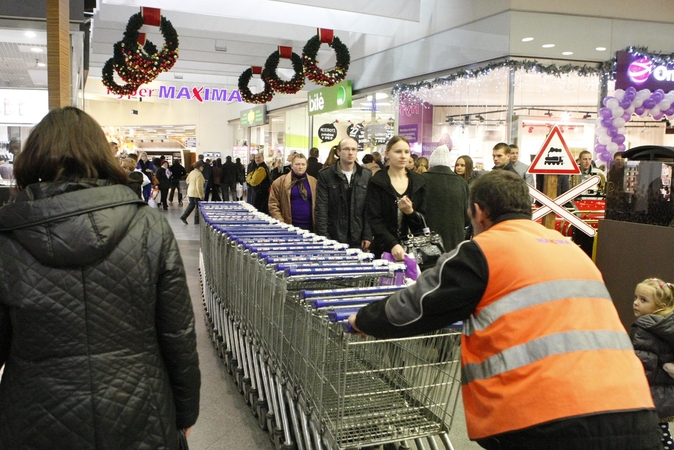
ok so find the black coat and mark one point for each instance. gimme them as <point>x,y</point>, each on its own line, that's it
<point>337,216</point>
<point>228,174</point>
<point>96,322</point>
<point>164,181</point>
<point>653,340</point>
<point>447,213</point>
<point>382,209</point>
<point>313,166</point>
<point>177,173</point>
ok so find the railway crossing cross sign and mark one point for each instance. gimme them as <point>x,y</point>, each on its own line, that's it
<point>554,158</point>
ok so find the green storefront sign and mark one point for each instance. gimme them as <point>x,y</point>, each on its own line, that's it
<point>330,98</point>
<point>254,117</point>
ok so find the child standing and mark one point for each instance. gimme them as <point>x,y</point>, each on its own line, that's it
<point>653,339</point>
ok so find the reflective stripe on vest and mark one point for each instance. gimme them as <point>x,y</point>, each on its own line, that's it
<point>555,344</point>
<point>535,295</point>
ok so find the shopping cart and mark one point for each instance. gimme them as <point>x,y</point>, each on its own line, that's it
<point>276,299</point>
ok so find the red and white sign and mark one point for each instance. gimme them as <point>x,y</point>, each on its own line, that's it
<point>555,205</point>
<point>554,158</point>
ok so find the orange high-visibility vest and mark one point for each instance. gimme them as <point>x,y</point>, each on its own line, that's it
<point>545,342</point>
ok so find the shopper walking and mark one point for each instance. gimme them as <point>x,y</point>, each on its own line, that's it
<point>164,176</point>
<point>96,323</point>
<point>292,196</point>
<point>195,191</point>
<point>177,174</point>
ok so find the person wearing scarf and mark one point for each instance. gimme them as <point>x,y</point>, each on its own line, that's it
<point>292,197</point>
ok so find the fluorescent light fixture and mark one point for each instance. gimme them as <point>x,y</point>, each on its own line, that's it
<point>567,53</point>
<point>30,34</point>
<point>548,45</point>
<point>527,39</point>
<point>601,49</point>
<point>36,50</point>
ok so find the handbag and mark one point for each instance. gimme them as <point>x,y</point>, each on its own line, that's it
<point>182,441</point>
<point>426,246</point>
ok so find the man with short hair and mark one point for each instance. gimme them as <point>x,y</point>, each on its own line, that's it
<point>228,180</point>
<point>519,166</point>
<point>587,170</point>
<point>313,166</point>
<point>546,362</point>
<point>340,199</point>
<point>501,156</point>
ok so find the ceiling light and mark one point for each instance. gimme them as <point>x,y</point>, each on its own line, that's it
<point>36,50</point>
<point>41,64</point>
<point>587,116</point>
<point>567,53</point>
<point>566,116</point>
<point>29,34</point>
<point>549,114</point>
<point>600,49</point>
<point>480,118</point>
<point>548,45</point>
<point>527,39</point>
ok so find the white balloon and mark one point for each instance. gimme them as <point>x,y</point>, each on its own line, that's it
<point>617,111</point>
<point>630,110</point>
<point>622,130</point>
<point>600,131</point>
<point>604,140</point>
<point>663,105</point>
<point>644,93</point>
<point>655,111</point>
<point>612,103</point>
<point>618,122</point>
<point>638,102</point>
<point>619,94</point>
<point>612,147</point>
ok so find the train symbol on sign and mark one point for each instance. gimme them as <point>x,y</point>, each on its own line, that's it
<point>553,160</point>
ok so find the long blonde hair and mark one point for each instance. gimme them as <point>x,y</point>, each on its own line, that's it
<point>664,295</point>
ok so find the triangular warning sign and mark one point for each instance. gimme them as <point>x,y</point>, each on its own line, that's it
<point>554,157</point>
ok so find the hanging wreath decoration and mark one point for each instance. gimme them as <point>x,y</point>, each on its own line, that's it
<point>314,73</point>
<point>246,95</point>
<point>269,75</point>
<point>138,63</point>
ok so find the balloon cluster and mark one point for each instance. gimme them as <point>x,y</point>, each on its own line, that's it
<point>618,110</point>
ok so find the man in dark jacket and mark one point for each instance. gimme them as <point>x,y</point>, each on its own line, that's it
<point>228,180</point>
<point>178,172</point>
<point>501,155</point>
<point>340,199</point>
<point>446,213</point>
<point>313,166</point>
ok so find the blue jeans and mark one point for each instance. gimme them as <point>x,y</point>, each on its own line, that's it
<point>194,202</point>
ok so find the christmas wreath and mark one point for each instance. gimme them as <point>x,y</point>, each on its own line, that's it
<point>138,64</point>
<point>247,96</point>
<point>269,75</point>
<point>314,73</point>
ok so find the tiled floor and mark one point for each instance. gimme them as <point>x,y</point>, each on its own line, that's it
<point>225,421</point>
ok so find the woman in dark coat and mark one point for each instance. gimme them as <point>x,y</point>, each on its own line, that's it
<point>164,177</point>
<point>447,214</point>
<point>396,196</point>
<point>96,323</point>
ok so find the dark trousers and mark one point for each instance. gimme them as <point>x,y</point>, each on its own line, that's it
<point>164,197</point>
<point>229,192</point>
<point>173,190</point>
<point>262,201</point>
<point>215,194</point>
<point>193,203</point>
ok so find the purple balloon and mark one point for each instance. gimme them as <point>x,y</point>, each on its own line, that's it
<point>603,102</point>
<point>625,103</point>
<point>657,97</point>
<point>626,116</point>
<point>606,122</point>
<point>639,111</point>
<point>612,131</point>
<point>599,148</point>
<point>606,157</point>
<point>605,113</point>
<point>649,103</point>
<point>658,116</point>
<point>618,139</point>
<point>669,111</point>
<point>621,147</point>
<point>659,92</point>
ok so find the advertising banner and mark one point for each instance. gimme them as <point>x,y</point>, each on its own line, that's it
<point>642,73</point>
<point>254,117</point>
<point>330,98</point>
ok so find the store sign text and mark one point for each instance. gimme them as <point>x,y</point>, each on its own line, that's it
<point>201,94</point>
<point>642,73</point>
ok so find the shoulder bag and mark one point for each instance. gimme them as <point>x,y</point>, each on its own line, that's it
<point>426,246</point>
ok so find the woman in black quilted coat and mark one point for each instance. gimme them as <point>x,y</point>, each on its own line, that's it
<point>653,339</point>
<point>96,323</point>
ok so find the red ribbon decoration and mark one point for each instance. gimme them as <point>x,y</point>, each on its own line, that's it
<point>285,52</point>
<point>257,70</point>
<point>151,16</point>
<point>141,38</point>
<point>325,35</point>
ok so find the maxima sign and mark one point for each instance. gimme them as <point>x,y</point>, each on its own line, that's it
<point>199,93</point>
<point>642,73</point>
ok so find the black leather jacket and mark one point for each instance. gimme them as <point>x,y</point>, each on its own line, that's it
<point>337,216</point>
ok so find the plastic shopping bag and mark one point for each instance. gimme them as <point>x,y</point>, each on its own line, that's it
<point>239,190</point>
<point>412,269</point>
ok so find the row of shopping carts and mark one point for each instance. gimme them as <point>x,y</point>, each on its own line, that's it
<point>276,299</point>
